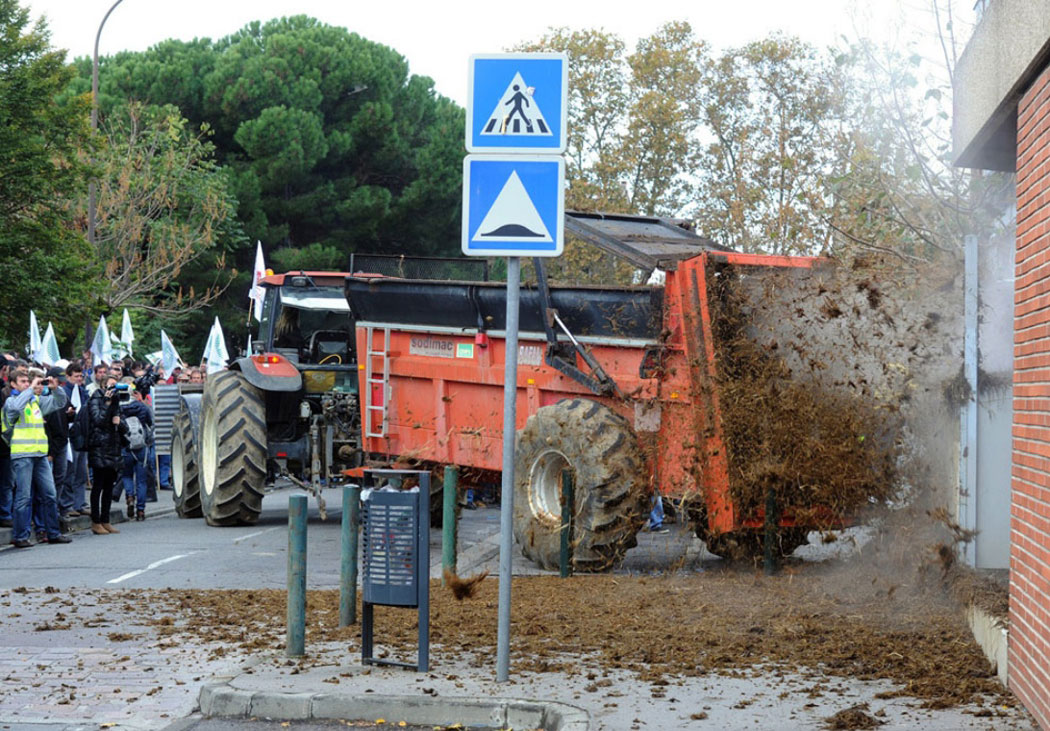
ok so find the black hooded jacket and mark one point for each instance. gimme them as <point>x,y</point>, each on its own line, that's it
<point>106,439</point>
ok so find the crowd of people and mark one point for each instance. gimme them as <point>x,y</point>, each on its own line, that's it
<point>75,437</point>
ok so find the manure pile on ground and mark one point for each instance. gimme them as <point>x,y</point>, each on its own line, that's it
<point>657,627</point>
<point>819,374</point>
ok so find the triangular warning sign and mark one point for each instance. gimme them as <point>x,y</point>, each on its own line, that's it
<point>516,113</point>
<point>513,217</point>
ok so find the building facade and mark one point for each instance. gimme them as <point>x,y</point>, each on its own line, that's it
<point>1002,122</point>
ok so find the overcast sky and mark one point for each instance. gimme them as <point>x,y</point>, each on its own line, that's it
<point>437,38</point>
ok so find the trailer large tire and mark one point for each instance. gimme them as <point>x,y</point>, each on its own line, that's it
<point>185,480</point>
<point>232,450</point>
<point>749,546</point>
<point>601,449</point>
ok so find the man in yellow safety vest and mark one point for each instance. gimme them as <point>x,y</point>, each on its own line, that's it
<point>23,429</point>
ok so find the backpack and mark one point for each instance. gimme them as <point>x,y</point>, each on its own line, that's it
<point>80,431</point>
<point>136,433</point>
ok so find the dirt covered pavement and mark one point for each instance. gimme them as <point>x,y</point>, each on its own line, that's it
<point>815,624</point>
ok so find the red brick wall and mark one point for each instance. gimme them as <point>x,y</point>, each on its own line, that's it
<point>1029,674</point>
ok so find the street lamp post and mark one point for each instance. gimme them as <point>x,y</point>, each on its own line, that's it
<point>94,117</point>
<point>94,127</point>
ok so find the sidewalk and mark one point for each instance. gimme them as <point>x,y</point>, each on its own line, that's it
<point>75,660</point>
<point>163,507</point>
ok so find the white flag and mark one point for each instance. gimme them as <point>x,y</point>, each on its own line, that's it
<point>49,348</point>
<point>127,335</point>
<point>215,353</point>
<point>35,341</point>
<point>102,345</point>
<point>257,292</point>
<point>169,356</point>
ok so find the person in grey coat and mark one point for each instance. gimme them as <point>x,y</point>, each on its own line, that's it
<point>23,428</point>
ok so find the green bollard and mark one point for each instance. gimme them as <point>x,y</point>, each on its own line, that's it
<point>448,522</point>
<point>769,552</point>
<point>296,643</point>
<point>567,500</point>
<point>348,561</point>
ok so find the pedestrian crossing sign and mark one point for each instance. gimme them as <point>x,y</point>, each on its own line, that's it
<point>517,103</point>
<point>513,205</point>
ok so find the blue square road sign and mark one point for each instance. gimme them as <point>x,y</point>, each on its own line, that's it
<point>513,205</point>
<point>517,102</point>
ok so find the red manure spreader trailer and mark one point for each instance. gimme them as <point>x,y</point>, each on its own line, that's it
<point>621,385</point>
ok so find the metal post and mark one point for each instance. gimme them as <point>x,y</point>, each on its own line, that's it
<point>348,562</point>
<point>968,417</point>
<point>567,504</point>
<point>769,556</point>
<point>94,121</point>
<point>506,518</point>
<point>448,523</point>
<point>296,642</point>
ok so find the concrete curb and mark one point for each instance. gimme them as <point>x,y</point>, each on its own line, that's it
<point>83,522</point>
<point>76,525</point>
<point>220,699</point>
<point>992,636</point>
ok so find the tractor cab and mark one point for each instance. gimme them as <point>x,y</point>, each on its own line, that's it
<point>306,320</point>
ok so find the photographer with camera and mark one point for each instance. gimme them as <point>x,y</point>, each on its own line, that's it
<point>138,418</point>
<point>23,429</point>
<point>106,436</point>
<point>56,424</point>
<point>158,471</point>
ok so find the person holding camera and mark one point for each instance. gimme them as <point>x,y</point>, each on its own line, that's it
<point>138,418</point>
<point>23,429</point>
<point>57,426</point>
<point>106,436</point>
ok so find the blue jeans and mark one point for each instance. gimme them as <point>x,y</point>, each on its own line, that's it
<point>164,464</point>
<point>135,476</point>
<point>76,478</point>
<point>151,473</point>
<point>32,476</point>
<point>63,493</point>
<point>6,488</point>
<point>656,516</point>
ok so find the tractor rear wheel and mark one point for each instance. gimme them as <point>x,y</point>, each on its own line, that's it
<point>232,450</point>
<point>602,451</point>
<point>185,480</point>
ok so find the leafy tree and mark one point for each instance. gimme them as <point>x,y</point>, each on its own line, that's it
<point>327,136</point>
<point>162,205</point>
<point>775,110</point>
<point>40,168</point>
<point>315,257</point>
<point>632,127</point>
<point>329,145</point>
<point>632,117</point>
<point>901,194</point>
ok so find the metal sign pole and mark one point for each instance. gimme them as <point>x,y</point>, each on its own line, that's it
<point>506,518</point>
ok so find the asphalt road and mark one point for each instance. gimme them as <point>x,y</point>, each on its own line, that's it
<point>166,551</point>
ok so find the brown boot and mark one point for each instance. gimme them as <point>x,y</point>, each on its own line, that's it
<point>109,528</point>
<point>99,530</point>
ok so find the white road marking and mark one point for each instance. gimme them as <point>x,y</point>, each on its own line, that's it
<point>155,564</point>
<point>252,535</point>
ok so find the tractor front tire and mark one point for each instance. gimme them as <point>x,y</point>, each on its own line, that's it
<point>232,450</point>
<point>602,451</point>
<point>185,478</point>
